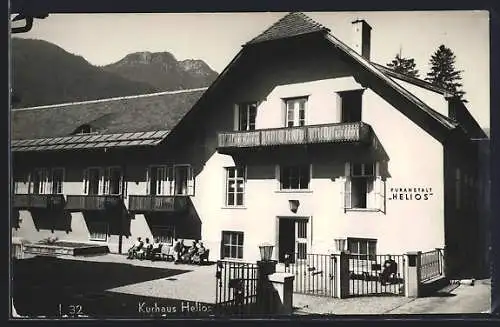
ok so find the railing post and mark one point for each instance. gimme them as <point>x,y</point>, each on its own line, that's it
<point>413,271</point>
<point>442,262</point>
<point>342,275</point>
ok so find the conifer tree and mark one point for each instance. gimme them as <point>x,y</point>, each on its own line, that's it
<point>443,72</point>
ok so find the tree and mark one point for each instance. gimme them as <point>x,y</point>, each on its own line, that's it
<point>443,73</point>
<point>405,66</point>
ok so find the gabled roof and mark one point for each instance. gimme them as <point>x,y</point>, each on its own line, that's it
<point>131,114</point>
<point>293,24</point>
<point>365,63</point>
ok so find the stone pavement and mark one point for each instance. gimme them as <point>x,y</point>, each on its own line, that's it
<point>461,300</point>
<point>452,299</point>
<point>196,284</point>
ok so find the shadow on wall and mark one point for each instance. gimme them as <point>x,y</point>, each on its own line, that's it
<point>15,219</point>
<point>52,220</point>
<point>187,224</point>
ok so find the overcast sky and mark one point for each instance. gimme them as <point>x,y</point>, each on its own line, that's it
<point>217,37</point>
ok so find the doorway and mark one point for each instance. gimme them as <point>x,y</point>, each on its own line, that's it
<point>292,239</point>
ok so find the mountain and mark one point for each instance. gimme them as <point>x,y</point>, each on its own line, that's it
<point>43,73</point>
<point>163,71</point>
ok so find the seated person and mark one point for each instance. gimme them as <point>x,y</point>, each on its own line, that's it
<point>135,248</point>
<point>200,253</point>
<point>390,269</point>
<point>178,249</point>
<point>156,247</point>
<point>145,251</point>
<point>192,250</point>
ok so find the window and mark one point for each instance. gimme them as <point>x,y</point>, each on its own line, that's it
<point>84,129</point>
<point>113,181</point>
<point>247,113</point>
<point>232,245</point>
<point>40,181</point>
<point>183,180</point>
<point>364,187</point>
<point>57,179</point>
<point>165,234</point>
<point>92,180</point>
<point>362,249</point>
<point>295,177</point>
<point>296,112</point>
<point>160,180</point>
<point>98,231</point>
<point>350,106</point>
<point>235,186</point>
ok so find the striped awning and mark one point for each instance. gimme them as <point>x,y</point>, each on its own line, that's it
<point>90,141</point>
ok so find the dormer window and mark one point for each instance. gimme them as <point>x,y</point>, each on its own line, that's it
<point>84,129</point>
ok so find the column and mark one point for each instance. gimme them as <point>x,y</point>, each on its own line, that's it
<point>412,278</point>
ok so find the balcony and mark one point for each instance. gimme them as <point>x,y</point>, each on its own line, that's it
<point>93,202</point>
<point>304,135</point>
<point>37,201</point>
<point>157,203</point>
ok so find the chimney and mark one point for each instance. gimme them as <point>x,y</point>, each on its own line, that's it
<point>361,37</point>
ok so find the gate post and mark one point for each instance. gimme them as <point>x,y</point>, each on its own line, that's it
<point>264,286</point>
<point>342,275</point>
<point>413,271</point>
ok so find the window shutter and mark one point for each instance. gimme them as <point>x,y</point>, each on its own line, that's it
<point>190,181</point>
<point>347,187</point>
<point>170,180</point>
<point>277,176</point>
<point>148,174</point>
<point>236,117</point>
<point>379,188</point>
<point>85,181</point>
<point>106,178</point>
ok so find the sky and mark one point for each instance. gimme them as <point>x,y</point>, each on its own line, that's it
<point>217,37</point>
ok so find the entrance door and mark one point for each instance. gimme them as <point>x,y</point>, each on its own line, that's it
<point>301,239</point>
<point>286,239</point>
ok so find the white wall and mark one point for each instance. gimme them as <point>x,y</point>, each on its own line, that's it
<point>416,160</point>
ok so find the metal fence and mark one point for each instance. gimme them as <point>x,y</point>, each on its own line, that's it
<point>236,289</point>
<point>376,274</point>
<point>431,264</point>
<point>314,273</point>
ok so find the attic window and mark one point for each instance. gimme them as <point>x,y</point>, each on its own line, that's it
<point>85,129</point>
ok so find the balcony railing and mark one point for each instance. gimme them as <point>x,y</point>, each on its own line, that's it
<point>93,202</point>
<point>156,203</point>
<point>40,201</point>
<point>313,134</point>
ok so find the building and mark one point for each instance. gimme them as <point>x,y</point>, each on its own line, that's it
<point>302,141</point>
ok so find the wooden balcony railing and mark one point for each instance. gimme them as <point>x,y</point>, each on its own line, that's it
<point>156,203</point>
<point>41,201</point>
<point>313,134</point>
<point>93,202</point>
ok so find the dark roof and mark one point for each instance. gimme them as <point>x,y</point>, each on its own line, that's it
<point>412,80</point>
<point>141,113</point>
<point>293,24</point>
<point>443,120</point>
<point>90,141</point>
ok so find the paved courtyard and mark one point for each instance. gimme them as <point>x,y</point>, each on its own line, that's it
<point>113,286</point>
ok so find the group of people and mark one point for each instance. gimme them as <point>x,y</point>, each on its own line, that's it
<point>144,249</point>
<point>194,254</point>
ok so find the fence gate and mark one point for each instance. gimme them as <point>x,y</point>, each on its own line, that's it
<point>376,274</point>
<point>236,289</point>
<point>314,273</point>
